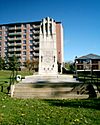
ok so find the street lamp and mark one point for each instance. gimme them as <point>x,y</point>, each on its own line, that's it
<point>91,69</point>
<point>84,67</point>
<point>76,62</point>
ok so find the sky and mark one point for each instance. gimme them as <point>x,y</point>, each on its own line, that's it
<point>80,20</point>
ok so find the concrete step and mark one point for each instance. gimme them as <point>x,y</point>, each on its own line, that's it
<point>50,96</point>
<point>43,90</point>
<point>37,90</point>
<point>55,78</point>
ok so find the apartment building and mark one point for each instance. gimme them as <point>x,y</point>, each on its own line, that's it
<point>40,40</point>
<point>88,63</point>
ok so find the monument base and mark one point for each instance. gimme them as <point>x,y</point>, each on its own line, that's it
<point>49,79</point>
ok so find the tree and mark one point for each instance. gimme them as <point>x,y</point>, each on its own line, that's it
<point>35,64</point>
<point>2,63</point>
<point>31,65</point>
<point>28,65</point>
<point>13,64</point>
<point>70,66</point>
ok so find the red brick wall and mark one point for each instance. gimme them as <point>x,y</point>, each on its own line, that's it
<point>58,39</point>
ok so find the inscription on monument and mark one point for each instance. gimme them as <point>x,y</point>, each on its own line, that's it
<point>48,58</point>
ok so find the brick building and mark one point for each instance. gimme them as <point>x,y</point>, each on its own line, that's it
<point>40,40</point>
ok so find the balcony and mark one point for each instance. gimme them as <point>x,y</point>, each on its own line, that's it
<point>36,54</point>
<point>11,28</point>
<point>17,55</point>
<point>14,27</point>
<point>18,38</point>
<point>30,32</point>
<point>17,28</point>
<point>18,44</point>
<point>12,44</point>
<point>11,50</point>
<point>36,44</point>
<point>17,49</point>
<point>36,27</point>
<point>36,48</point>
<point>10,55</point>
<point>14,34</point>
<point>36,37</point>
<point>14,49</point>
<point>14,39</point>
<point>36,31</point>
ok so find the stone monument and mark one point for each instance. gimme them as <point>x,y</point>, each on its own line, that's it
<point>48,48</point>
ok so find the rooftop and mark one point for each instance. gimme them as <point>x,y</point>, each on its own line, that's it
<point>19,23</point>
<point>89,56</point>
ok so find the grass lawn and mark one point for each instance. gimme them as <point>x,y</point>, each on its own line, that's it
<point>48,112</point>
<point>5,74</point>
<point>5,77</point>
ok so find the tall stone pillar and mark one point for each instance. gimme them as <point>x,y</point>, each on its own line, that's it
<point>48,48</point>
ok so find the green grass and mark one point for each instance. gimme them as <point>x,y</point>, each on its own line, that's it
<point>5,74</point>
<point>5,78</point>
<point>48,112</point>
<point>25,73</point>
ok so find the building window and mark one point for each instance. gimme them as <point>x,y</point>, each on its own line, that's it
<point>24,52</point>
<point>24,36</point>
<point>31,47</point>
<point>95,67</point>
<point>31,41</point>
<point>94,61</point>
<point>80,67</point>
<point>0,33</point>
<point>31,35</point>
<point>24,30</point>
<point>5,49</point>
<point>31,57</point>
<point>6,43</point>
<point>24,47</point>
<point>0,37</point>
<point>24,41</point>
<point>24,58</point>
<point>5,33</point>
<point>31,52</point>
<point>6,37</point>
<point>31,30</point>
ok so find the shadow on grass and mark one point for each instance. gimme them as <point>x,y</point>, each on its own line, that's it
<point>82,103</point>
